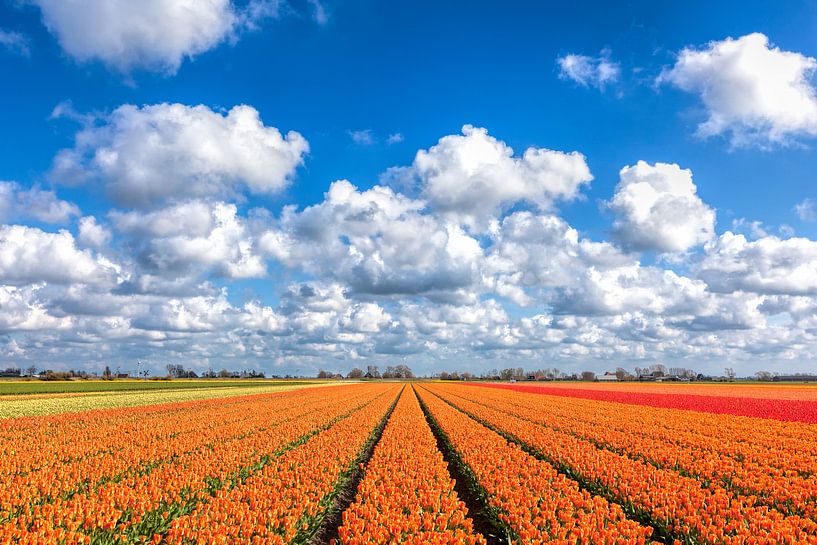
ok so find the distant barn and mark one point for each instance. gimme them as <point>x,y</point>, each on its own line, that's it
<point>795,378</point>
<point>607,377</point>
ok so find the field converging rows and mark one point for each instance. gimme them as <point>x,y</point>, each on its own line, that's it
<point>37,399</point>
<point>378,463</point>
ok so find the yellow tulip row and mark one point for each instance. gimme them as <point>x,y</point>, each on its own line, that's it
<point>48,404</point>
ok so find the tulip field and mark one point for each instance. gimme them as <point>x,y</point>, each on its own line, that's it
<point>15,405</point>
<point>421,462</point>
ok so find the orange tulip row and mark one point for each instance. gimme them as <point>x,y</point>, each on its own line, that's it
<point>64,439</point>
<point>740,465</point>
<point>288,498</point>
<point>679,505</point>
<point>757,439</point>
<point>46,438</point>
<point>135,503</point>
<point>532,500</point>
<point>133,448</point>
<point>407,495</point>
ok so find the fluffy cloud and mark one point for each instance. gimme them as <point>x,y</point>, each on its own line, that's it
<point>768,265</point>
<point>17,203</point>
<point>148,155</point>
<point>801,309</point>
<point>632,288</point>
<point>657,208</point>
<point>486,275</point>
<point>752,92</point>
<point>471,178</point>
<point>23,311</point>
<point>189,315</point>
<point>540,260</point>
<point>589,71</point>
<point>151,34</point>
<point>192,218</point>
<point>479,324</point>
<point>376,241</point>
<point>29,255</point>
<point>530,252</point>
<point>92,234</point>
<point>191,238</point>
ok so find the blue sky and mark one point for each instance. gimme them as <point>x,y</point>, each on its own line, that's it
<point>347,77</point>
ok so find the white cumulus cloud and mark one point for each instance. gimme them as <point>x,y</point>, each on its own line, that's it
<point>29,255</point>
<point>657,208</point>
<point>91,233</point>
<point>17,202</point>
<point>377,241</point>
<point>192,238</point>
<point>754,93</point>
<point>151,34</point>
<point>144,156</point>
<point>23,310</point>
<point>530,252</point>
<point>768,265</point>
<point>471,178</point>
<point>471,268</point>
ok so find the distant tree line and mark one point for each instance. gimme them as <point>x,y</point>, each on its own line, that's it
<point>509,373</point>
<point>47,374</point>
<point>372,372</point>
<point>178,371</point>
<point>650,372</point>
<point>173,371</point>
<point>656,371</point>
<point>224,373</point>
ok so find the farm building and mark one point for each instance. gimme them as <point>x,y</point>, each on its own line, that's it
<point>794,378</point>
<point>607,377</point>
